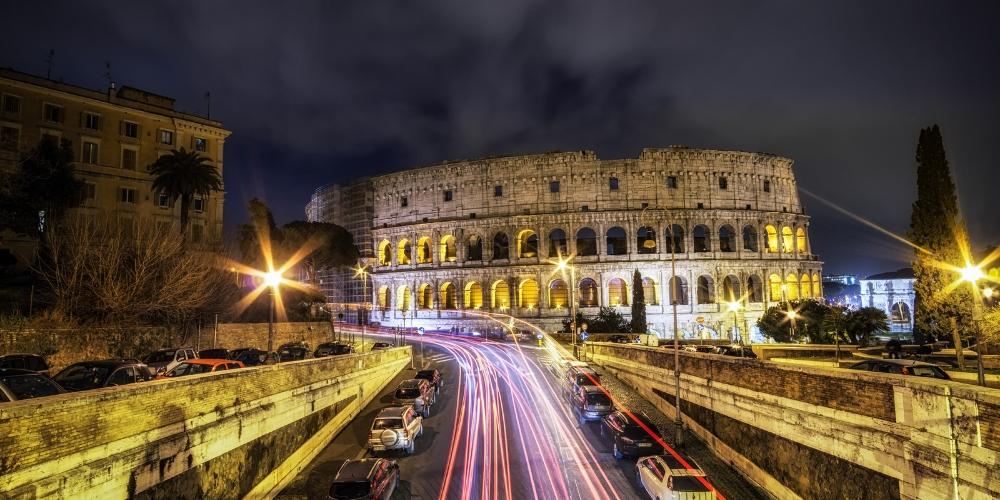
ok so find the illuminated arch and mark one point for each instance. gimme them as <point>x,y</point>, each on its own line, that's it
<point>449,299</point>
<point>787,241</point>
<point>384,253</point>
<point>791,287</point>
<point>775,288</point>
<point>403,298</point>
<point>473,295</point>
<point>500,295</point>
<point>425,254</point>
<point>805,288</point>
<point>800,240</point>
<point>405,252</point>
<point>527,244</point>
<point>527,294</point>
<point>772,238</point>
<point>589,296</point>
<point>817,286</point>
<point>425,296</point>
<point>617,292</point>
<point>558,294</point>
<point>448,251</point>
<point>731,289</point>
<point>384,300</point>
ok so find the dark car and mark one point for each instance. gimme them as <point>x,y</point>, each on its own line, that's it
<point>577,376</point>
<point>32,362</point>
<point>292,353</point>
<point>433,377</point>
<point>214,353</point>
<point>694,348</point>
<point>738,351</point>
<point>17,384</point>
<point>590,402</point>
<point>332,349</point>
<point>902,367</point>
<point>381,345</point>
<point>251,356</point>
<point>368,478</point>
<point>630,438</point>
<point>87,375</point>
<point>297,343</point>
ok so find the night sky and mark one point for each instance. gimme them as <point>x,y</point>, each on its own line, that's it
<point>320,92</point>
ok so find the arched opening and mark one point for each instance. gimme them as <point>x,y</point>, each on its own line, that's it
<point>473,295</point>
<point>805,286</point>
<point>424,253</point>
<point>791,287</point>
<point>772,238</point>
<point>558,294</point>
<point>405,254</point>
<point>755,289</point>
<point>425,296</point>
<point>675,239</point>
<point>800,240</point>
<point>727,239</point>
<point>474,248</point>
<point>527,244</point>
<point>787,242</point>
<point>449,250</point>
<point>384,300</point>
<point>731,289</point>
<point>749,239</point>
<point>706,290</point>
<point>617,245</point>
<point>617,292</point>
<point>586,242</point>
<point>384,253</point>
<point>645,240</point>
<point>899,314</point>
<point>588,293</point>
<point>501,246</point>
<point>448,299</point>
<point>403,298</point>
<point>558,246</point>
<point>702,238</point>
<point>678,291</point>
<point>650,292</point>
<point>776,288</point>
<point>817,286</point>
<point>500,295</point>
<point>527,294</point>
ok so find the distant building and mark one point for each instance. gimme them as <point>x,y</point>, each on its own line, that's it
<point>893,293</point>
<point>842,290</point>
<point>352,207</point>
<point>843,279</point>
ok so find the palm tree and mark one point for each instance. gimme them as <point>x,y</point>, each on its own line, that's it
<point>182,175</point>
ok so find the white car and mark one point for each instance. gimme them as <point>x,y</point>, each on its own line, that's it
<point>664,477</point>
<point>395,428</point>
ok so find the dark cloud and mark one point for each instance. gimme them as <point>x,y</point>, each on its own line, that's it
<point>319,92</point>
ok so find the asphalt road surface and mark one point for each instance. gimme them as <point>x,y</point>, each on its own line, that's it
<point>501,429</point>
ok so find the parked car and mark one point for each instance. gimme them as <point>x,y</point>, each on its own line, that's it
<point>417,393</point>
<point>665,477</point>
<point>623,339</point>
<point>395,428</point>
<point>368,478</point>
<point>87,375</point>
<point>433,377</point>
<point>735,350</point>
<point>251,356</point>
<point>32,362</point>
<point>589,402</point>
<point>163,360</point>
<point>628,437</point>
<point>198,366</point>
<point>902,367</point>
<point>217,353</point>
<point>293,353</point>
<point>381,345</point>
<point>577,376</point>
<point>694,348</point>
<point>298,343</point>
<point>17,384</point>
<point>332,349</point>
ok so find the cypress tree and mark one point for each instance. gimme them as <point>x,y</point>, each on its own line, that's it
<point>935,225</point>
<point>638,324</point>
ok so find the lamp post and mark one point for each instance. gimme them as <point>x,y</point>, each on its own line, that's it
<point>734,307</point>
<point>674,285</point>
<point>972,274</point>
<point>362,271</point>
<point>272,280</point>
<point>561,266</point>
<point>791,316</point>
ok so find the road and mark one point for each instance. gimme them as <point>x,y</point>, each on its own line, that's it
<point>501,430</point>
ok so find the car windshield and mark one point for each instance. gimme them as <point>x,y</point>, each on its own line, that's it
<point>598,398</point>
<point>687,483</point>
<point>190,369</point>
<point>350,489</point>
<point>387,423</point>
<point>407,393</point>
<point>29,386</point>
<point>81,377</point>
<point>927,371</point>
<point>160,357</point>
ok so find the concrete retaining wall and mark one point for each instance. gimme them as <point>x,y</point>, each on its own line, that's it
<point>227,435</point>
<point>825,432</point>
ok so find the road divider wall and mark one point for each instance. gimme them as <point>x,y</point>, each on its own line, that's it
<point>224,435</point>
<point>809,432</point>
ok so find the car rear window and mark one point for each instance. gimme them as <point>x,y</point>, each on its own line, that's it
<point>351,489</point>
<point>582,379</point>
<point>407,393</point>
<point>29,386</point>
<point>598,398</point>
<point>387,423</point>
<point>82,377</point>
<point>928,371</point>
<point>634,431</point>
<point>687,483</point>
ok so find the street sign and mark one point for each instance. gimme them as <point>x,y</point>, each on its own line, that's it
<point>420,330</point>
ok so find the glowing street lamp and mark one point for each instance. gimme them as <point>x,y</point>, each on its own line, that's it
<point>272,280</point>
<point>734,307</point>
<point>361,271</point>
<point>972,273</point>
<point>562,264</point>
<point>792,316</point>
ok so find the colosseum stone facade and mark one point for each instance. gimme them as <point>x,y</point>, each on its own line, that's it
<point>456,240</point>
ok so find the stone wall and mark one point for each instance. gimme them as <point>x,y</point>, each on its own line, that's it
<point>234,335</point>
<point>827,433</point>
<point>226,435</point>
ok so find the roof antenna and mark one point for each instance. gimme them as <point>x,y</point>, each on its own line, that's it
<point>107,74</point>
<point>48,62</point>
<point>208,105</point>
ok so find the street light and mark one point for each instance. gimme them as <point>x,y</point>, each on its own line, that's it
<point>792,315</point>
<point>561,266</point>
<point>272,280</point>
<point>362,271</point>
<point>734,307</point>
<point>972,274</point>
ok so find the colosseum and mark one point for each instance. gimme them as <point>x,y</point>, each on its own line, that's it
<point>459,239</point>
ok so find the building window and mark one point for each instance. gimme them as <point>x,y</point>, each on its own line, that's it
<point>11,104</point>
<point>701,205</point>
<point>199,205</point>
<point>91,121</point>
<point>672,182</point>
<point>52,113</point>
<point>126,195</point>
<point>613,184</point>
<point>554,187</point>
<point>166,137</point>
<point>163,201</point>
<point>200,144</point>
<point>128,159</point>
<point>767,186</point>
<point>130,129</point>
<point>723,183</point>
<point>404,202</point>
<point>89,192</point>
<point>9,138</point>
<point>497,191</point>
<point>90,153</point>
<point>448,195</point>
